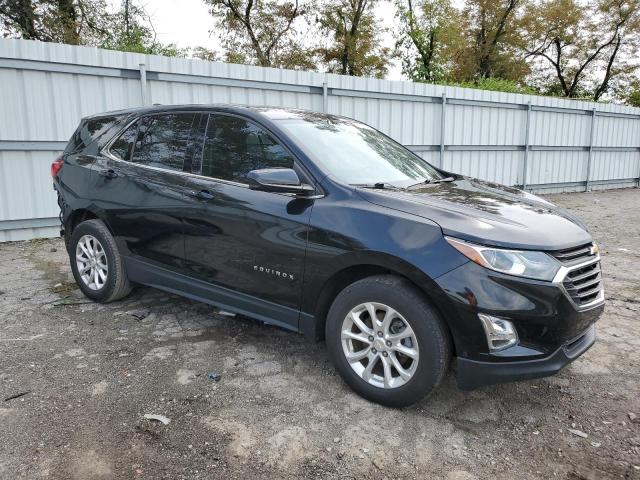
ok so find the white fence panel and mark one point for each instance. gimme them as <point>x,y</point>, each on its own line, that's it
<point>539,143</point>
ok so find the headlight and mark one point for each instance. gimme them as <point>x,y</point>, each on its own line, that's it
<point>523,263</point>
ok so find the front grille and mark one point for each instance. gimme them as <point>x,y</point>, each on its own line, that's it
<point>574,255</point>
<point>583,280</point>
<point>584,284</point>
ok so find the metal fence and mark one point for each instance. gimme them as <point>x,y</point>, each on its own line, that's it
<point>539,143</point>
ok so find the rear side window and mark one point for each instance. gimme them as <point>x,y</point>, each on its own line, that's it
<point>121,148</point>
<point>88,131</point>
<point>234,146</point>
<point>162,141</point>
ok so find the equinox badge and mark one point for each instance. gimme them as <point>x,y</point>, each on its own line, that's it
<point>271,271</point>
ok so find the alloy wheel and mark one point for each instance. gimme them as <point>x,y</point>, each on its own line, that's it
<point>380,345</point>
<point>91,261</point>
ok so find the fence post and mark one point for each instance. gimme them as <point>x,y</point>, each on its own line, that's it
<point>593,121</point>
<point>325,97</point>
<point>143,84</point>
<point>526,147</point>
<point>442,126</point>
<point>638,167</point>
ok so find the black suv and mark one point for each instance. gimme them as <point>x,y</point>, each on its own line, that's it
<point>323,225</point>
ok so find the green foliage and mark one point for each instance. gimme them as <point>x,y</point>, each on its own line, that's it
<point>76,22</point>
<point>262,32</point>
<point>633,97</point>
<point>497,85</point>
<point>84,22</point>
<point>429,36</point>
<point>494,39</point>
<point>558,47</point>
<point>203,53</point>
<point>131,31</point>
<point>583,49</point>
<point>354,39</point>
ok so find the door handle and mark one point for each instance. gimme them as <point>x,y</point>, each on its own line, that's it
<point>108,173</point>
<point>202,194</point>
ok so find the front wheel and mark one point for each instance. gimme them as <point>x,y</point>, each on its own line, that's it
<point>386,341</point>
<point>96,263</point>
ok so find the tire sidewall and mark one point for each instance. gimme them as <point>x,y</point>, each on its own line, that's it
<point>90,228</point>
<point>422,319</point>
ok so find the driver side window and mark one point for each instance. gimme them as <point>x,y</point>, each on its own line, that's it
<point>234,146</point>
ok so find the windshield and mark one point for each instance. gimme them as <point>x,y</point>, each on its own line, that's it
<point>356,153</point>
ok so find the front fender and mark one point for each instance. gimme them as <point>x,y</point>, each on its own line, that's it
<point>345,233</point>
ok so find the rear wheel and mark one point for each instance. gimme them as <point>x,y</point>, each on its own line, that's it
<point>386,341</point>
<point>96,263</point>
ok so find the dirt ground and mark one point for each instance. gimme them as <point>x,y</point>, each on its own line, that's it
<point>91,372</point>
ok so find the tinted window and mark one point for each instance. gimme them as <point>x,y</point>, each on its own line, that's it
<point>233,147</point>
<point>162,141</point>
<point>88,132</point>
<point>121,148</point>
<point>356,153</point>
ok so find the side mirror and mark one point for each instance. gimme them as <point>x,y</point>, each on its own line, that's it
<point>280,180</point>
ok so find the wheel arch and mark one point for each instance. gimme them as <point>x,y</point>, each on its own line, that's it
<point>374,264</point>
<point>76,217</point>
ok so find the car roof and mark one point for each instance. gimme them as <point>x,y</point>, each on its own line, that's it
<point>272,113</point>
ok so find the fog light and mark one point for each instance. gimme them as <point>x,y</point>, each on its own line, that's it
<point>500,333</point>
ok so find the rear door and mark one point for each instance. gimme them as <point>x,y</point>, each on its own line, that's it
<point>247,241</point>
<point>138,184</point>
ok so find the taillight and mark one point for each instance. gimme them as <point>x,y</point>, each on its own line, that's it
<point>56,166</point>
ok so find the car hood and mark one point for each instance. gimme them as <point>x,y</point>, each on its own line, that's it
<point>487,213</point>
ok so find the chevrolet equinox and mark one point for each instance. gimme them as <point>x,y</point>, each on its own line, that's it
<point>323,225</point>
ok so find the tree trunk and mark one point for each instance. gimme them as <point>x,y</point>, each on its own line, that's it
<point>20,14</point>
<point>68,18</point>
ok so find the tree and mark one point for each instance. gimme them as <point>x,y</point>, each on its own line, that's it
<point>586,45</point>
<point>74,22</point>
<point>203,53</point>
<point>355,45</point>
<point>481,40</point>
<point>633,95</point>
<point>262,32</point>
<point>131,30</point>
<point>20,17</point>
<point>430,37</point>
<point>493,30</point>
<point>84,22</point>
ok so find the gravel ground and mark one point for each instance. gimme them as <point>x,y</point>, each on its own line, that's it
<point>90,372</point>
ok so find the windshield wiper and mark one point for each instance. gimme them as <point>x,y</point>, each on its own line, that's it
<point>377,185</point>
<point>432,181</point>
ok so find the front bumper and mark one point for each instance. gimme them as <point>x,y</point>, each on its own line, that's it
<point>473,374</point>
<point>552,330</point>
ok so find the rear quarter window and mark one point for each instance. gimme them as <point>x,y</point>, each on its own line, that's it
<point>89,131</point>
<point>121,148</point>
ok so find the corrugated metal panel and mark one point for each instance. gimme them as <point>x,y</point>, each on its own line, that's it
<point>475,125</point>
<point>501,167</point>
<point>18,234</point>
<point>614,165</point>
<point>557,167</point>
<point>559,129</point>
<point>25,185</point>
<point>616,132</point>
<point>47,88</point>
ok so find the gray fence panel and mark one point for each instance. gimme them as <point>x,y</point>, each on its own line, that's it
<point>544,144</point>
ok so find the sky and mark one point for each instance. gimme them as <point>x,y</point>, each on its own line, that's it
<point>187,23</point>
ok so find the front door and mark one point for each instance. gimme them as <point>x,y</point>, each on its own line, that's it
<point>240,239</point>
<point>138,186</point>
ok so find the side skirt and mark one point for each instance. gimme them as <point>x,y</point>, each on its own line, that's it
<point>151,275</point>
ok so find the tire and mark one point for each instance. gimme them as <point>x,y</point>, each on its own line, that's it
<point>407,305</point>
<point>115,284</point>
